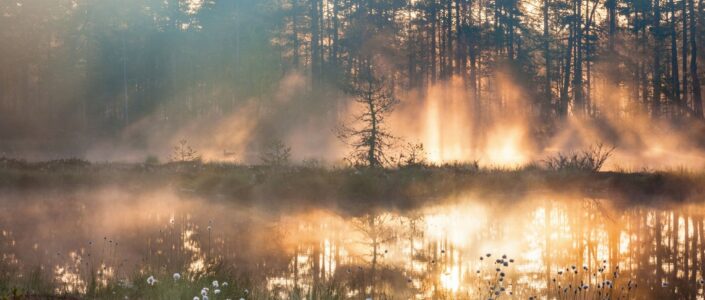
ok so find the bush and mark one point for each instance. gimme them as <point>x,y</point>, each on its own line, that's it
<point>591,159</point>
<point>413,155</point>
<point>276,153</point>
<point>151,160</point>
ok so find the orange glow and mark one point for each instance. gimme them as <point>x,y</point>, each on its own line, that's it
<point>450,278</point>
<point>504,148</point>
<point>446,121</point>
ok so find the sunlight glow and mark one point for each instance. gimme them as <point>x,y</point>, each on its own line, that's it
<point>450,279</point>
<point>504,148</point>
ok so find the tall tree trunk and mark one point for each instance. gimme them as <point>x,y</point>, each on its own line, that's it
<point>433,21</point>
<point>295,32</point>
<point>449,37</point>
<point>510,34</point>
<point>656,78</point>
<point>547,57</point>
<point>697,99</point>
<point>315,40</point>
<point>460,25</point>
<point>684,54</point>
<point>644,77</point>
<point>579,99</point>
<point>675,81</point>
<point>563,106</point>
<point>336,28</point>
<point>589,15</point>
<point>411,52</point>
<point>443,41</point>
<point>612,30</point>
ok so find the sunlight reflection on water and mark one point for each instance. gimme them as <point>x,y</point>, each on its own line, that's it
<point>544,246</point>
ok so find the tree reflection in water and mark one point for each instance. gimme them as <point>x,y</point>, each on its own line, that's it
<point>560,247</point>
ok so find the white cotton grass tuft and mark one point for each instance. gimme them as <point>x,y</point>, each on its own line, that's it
<point>216,291</point>
<point>151,280</point>
<point>204,292</point>
<point>215,283</point>
<point>224,284</point>
<point>205,297</point>
<point>196,298</point>
<point>176,276</point>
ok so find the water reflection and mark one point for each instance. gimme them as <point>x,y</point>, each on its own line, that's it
<point>545,246</point>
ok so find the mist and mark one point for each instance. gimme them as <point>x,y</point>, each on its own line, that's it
<point>350,149</point>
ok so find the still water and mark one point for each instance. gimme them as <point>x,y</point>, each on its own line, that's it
<point>546,246</point>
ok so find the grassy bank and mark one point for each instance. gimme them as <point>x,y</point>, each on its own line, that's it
<point>353,189</point>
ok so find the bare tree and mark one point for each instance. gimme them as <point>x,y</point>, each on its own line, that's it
<point>183,152</point>
<point>367,136</point>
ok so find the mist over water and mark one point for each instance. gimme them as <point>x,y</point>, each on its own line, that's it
<point>75,239</point>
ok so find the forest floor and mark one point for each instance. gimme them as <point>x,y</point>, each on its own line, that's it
<point>355,190</point>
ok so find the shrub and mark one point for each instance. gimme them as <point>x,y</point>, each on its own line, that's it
<point>413,155</point>
<point>151,160</point>
<point>591,159</point>
<point>276,153</point>
<point>184,153</point>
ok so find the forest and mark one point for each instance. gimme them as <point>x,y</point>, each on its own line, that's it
<point>123,80</point>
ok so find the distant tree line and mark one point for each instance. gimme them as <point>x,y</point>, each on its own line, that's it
<point>77,67</point>
<point>558,51</point>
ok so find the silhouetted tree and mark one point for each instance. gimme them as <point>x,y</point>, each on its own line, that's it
<point>368,137</point>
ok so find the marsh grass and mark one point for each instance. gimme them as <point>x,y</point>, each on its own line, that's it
<point>37,285</point>
<point>407,186</point>
<point>137,286</point>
